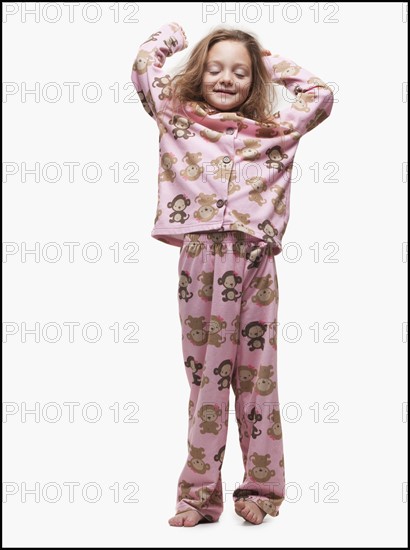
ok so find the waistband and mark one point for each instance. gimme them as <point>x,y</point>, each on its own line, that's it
<point>224,242</point>
<point>212,237</point>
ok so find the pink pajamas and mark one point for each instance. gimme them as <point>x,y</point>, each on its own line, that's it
<point>228,303</point>
<point>224,183</point>
<point>219,169</point>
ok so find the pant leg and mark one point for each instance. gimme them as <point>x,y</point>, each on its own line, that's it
<point>255,384</point>
<point>209,298</point>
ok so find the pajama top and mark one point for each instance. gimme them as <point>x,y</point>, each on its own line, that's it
<point>220,170</point>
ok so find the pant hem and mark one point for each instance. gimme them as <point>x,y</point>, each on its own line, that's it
<point>206,518</point>
<point>263,502</point>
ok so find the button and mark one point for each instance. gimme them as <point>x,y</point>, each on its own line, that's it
<point>220,203</point>
<point>226,160</point>
<point>230,130</point>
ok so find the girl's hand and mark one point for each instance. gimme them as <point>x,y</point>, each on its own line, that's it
<point>265,52</point>
<point>181,29</point>
<point>183,32</point>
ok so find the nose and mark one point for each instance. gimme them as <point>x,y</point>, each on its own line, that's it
<point>226,78</point>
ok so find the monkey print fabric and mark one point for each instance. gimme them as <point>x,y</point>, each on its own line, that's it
<point>228,302</point>
<point>217,169</point>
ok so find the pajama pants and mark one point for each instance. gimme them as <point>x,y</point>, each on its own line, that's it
<point>228,302</point>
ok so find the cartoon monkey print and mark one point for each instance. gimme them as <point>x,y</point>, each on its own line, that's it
<point>190,363</point>
<point>260,471</point>
<point>193,169</point>
<point>269,231</point>
<point>178,206</point>
<point>184,489</point>
<point>246,374</point>
<point>219,457</point>
<point>270,506</point>
<point>181,129</point>
<point>163,83</point>
<point>209,414</point>
<point>255,331</point>
<point>184,280</point>
<point>216,325</point>
<point>197,463</point>
<point>264,384</point>
<point>275,431</point>
<point>167,161</point>
<point>207,210</point>
<point>254,257</point>
<point>198,334</point>
<point>229,280</point>
<point>255,417</point>
<point>224,372</point>
<point>265,294</point>
<point>275,156</point>
<point>207,279</point>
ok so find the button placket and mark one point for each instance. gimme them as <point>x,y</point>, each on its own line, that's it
<point>220,203</point>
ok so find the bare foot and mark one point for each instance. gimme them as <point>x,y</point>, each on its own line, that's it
<point>249,511</point>
<point>188,518</point>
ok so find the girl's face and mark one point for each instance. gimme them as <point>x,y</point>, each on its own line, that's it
<point>227,75</point>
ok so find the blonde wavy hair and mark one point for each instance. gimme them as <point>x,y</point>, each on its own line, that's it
<point>187,83</point>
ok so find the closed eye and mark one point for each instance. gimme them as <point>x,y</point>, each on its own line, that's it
<point>238,75</point>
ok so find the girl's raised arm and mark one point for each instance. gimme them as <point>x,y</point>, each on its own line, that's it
<point>314,98</point>
<point>150,81</point>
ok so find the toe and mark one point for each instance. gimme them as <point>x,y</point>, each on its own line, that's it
<point>177,520</point>
<point>251,513</point>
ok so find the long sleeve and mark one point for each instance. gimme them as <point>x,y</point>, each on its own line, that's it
<point>148,76</point>
<point>314,99</point>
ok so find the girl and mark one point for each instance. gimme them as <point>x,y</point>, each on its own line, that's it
<point>225,166</point>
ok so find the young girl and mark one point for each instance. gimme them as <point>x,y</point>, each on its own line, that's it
<point>225,166</point>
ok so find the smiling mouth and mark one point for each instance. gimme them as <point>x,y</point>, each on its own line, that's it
<point>225,92</point>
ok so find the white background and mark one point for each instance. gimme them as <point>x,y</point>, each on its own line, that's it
<point>347,484</point>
